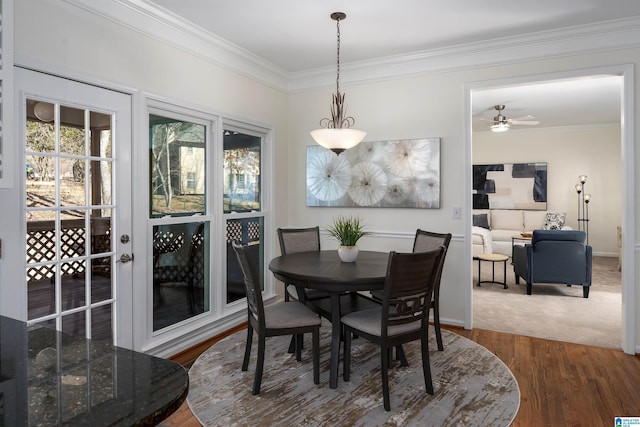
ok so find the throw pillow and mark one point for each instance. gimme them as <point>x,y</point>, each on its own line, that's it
<point>481,220</point>
<point>554,221</point>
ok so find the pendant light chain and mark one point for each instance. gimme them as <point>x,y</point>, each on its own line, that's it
<point>338,58</point>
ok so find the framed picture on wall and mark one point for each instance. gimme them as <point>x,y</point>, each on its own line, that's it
<point>510,186</point>
<point>389,174</point>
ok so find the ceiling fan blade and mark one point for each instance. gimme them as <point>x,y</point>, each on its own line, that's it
<point>527,117</point>
<point>524,122</point>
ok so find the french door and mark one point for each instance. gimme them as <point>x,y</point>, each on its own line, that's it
<point>76,145</point>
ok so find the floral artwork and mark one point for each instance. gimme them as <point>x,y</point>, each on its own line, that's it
<point>389,174</point>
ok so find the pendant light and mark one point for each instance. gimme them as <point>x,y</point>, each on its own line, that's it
<point>336,133</point>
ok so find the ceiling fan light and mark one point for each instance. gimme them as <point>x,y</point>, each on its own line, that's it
<point>338,140</point>
<point>500,127</point>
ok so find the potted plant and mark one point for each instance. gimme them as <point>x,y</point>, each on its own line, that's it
<point>347,230</point>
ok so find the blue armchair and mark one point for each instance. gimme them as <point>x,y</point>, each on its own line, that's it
<point>554,256</point>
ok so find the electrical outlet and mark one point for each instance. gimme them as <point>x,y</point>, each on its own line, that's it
<point>457,212</point>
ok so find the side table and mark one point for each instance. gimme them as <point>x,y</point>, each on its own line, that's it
<point>493,258</point>
<point>519,238</point>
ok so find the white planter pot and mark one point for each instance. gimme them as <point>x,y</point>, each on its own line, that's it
<point>348,253</point>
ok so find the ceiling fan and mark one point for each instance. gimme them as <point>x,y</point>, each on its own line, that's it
<point>502,123</point>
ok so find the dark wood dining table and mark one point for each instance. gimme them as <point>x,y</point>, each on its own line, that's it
<point>323,270</point>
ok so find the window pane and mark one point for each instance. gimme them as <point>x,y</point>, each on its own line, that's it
<point>249,231</point>
<point>41,187</point>
<point>73,285</point>
<point>180,272</point>
<point>241,172</point>
<point>101,323</point>
<point>72,182</point>
<point>177,167</point>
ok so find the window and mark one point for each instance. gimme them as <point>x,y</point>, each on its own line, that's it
<point>242,205</point>
<point>179,240</point>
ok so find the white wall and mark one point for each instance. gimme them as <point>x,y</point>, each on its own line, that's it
<point>426,106</point>
<point>568,152</point>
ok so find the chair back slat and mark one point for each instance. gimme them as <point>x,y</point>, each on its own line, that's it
<point>293,240</point>
<point>251,282</point>
<point>409,285</point>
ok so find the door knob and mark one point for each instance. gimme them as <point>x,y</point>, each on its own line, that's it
<point>126,258</point>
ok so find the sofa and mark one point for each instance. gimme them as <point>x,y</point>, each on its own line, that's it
<point>493,229</point>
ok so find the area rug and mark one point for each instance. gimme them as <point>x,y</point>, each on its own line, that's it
<point>556,312</point>
<point>472,387</point>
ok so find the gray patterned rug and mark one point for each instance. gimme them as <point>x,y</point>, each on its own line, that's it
<point>472,387</point>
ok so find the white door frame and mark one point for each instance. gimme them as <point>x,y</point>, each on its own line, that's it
<point>626,71</point>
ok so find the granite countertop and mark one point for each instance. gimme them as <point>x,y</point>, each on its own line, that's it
<point>51,378</point>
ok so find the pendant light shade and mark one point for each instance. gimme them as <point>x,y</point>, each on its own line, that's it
<point>336,133</point>
<point>338,140</point>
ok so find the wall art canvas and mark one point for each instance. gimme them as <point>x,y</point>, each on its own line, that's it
<point>510,186</point>
<point>388,174</point>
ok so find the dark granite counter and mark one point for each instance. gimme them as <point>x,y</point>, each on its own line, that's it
<point>48,378</point>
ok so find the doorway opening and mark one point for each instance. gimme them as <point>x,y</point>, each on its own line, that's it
<point>545,143</point>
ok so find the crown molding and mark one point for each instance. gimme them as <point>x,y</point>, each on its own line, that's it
<point>145,18</point>
<point>592,38</point>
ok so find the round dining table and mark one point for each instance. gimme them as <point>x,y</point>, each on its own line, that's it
<point>323,270</point>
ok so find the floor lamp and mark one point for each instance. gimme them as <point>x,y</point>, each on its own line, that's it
<point>583,206</point>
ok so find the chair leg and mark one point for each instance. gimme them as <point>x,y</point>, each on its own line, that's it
<point>401,356</point>
<point>260,365</point>
<point>585,291</point>
<point>347,356</point>
<point>384,362</point>
<point>316,355</point>
<point>298,339</point>
<point>529,286</point>
<point>292,344</point>
<point>247,348</point>
<point>436,324</point>
<point>426,366</point>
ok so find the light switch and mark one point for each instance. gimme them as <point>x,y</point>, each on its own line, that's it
<point>457,212</point>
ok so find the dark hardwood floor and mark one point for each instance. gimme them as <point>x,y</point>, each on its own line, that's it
<point>561,384</point>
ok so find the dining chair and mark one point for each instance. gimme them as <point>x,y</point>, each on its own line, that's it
<point>293,240</point>
<point>281,318</point>
<point>403,316</point>
<point>426,241</point>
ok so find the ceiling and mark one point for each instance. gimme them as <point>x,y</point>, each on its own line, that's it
<point>299,36</point>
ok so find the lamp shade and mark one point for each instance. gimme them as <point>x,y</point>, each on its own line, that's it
<point>338,139</point>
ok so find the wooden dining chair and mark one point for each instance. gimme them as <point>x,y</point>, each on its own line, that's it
<point>282,318</point>
<point>293,240</point>
<point>426,241</point>
<point>403,316</point>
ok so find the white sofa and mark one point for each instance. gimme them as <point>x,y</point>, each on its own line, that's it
<point>505,223</point>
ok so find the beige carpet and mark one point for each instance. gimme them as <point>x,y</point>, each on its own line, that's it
<point>472,387</point>
<point>554,312</point>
